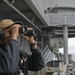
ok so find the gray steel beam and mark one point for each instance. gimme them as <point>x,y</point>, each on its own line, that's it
<point>38,11</point>
<point>14,8</point>
<point>65,36</point>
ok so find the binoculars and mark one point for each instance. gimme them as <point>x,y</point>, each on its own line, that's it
<point>23,30</point>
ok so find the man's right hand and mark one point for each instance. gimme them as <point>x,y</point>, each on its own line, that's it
<point>14,31</point>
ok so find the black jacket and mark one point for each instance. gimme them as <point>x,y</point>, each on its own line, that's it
<point>9,59</point>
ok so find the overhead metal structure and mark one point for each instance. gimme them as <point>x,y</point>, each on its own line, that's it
<point>8,3</point>
<point>35,7</point>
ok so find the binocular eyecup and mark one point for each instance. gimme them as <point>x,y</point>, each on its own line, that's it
<point>23,30</point>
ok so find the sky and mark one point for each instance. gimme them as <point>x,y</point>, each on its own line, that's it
<point>71,46</point>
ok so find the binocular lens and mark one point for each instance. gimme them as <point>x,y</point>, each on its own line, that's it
<point>31,32</point>
<point>27,32</point>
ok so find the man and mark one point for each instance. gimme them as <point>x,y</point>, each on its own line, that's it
<point>10,52</point>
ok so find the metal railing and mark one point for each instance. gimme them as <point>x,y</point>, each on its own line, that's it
<point>48,55</point>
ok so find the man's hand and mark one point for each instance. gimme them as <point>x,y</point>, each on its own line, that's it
<point>15,31</point>
<point>30,39</point>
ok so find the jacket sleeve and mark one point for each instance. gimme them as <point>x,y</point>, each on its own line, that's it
<point>9,57</point>
<point>35,61</point>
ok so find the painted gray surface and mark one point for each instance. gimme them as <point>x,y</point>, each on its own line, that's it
<point>42,6</point>
<point>38,7</point>
<point>61,19</point>
<point>57,18</point>
<point>61,3</point>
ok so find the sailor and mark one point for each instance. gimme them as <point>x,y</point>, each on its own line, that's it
<point>10,51</point>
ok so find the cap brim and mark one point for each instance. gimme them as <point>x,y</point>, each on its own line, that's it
<point>18,22</point>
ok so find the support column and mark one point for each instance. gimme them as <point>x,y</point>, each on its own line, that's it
<point>65,39</point>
